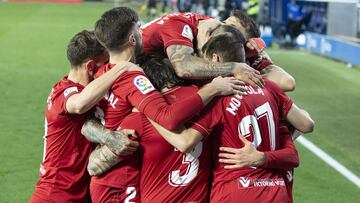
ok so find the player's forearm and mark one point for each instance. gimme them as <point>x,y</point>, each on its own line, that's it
<point>207,93</point>
<point>174,115</point>
<point>94,131</point>
<point>192,67</point>
<point>101,160</point>
<point>280,77</point>
<point>182,138</point>
<point>287,157</point>
<point>300,119</point>
<point>93,92</point>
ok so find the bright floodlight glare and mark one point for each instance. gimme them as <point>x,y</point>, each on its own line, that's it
<point>301,40</point>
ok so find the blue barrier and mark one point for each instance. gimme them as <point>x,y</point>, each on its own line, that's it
<point>334,48</point>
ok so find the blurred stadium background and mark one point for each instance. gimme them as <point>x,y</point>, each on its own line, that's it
<point>319,47</point>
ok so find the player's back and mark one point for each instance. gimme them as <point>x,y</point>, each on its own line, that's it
<point>66,150</point>
<point>255,116</point>
<point>167,175</point>
<point>174,28</point>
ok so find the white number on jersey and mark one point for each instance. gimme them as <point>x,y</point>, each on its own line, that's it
<point>263,111</point>
<point>192,161</point>
<point>131,194</point>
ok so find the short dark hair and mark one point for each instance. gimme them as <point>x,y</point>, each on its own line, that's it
<point>227,42</point>
<point>83,46</point>
<point>114,27</point>
<point>251,28</point>
<point>160,71</point>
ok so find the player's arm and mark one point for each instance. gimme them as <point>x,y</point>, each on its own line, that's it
<point>300,119</point>
<point>191,67</point>
<point>117,141</point>
<point>101,160</point>
<point>184,139</point>
<point>249,156</point>
<point>261,61</point>
<point>94,91</point>
<point>286,157</point>
<point>171,116</point>
<point>280,77</point>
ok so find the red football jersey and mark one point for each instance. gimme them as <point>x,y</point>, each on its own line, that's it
<point>168,175</point>
<point>63,175</point>
<point>171,29</point>
<point>256,116</point>
<point>134,89</point>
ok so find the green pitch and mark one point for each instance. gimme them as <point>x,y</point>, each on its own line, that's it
<point>33,39</point>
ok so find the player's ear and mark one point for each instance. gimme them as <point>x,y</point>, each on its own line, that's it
<point>132,40</point>
<point>215,58</point>
<point>90,66</point>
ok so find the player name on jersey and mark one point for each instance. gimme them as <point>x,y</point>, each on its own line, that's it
<point>235,101</point>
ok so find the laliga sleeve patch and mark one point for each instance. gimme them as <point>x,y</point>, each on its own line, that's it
<point>143,84</point>
<point>70,90</point>
<point>187,32</point>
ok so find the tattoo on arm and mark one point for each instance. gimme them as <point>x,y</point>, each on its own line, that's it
<point>192,67</point>
<point>94,131</point>
<point>101,160</point>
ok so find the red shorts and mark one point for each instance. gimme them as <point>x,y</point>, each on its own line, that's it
<point>105,194</point>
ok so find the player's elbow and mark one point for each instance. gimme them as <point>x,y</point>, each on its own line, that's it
<point>296,159</point>
<point>181,69</point>
<point>309,126</point>
<point>79,108</point>
<point>289,84</point>
<point>185,147</point>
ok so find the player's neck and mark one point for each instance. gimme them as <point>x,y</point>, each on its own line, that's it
<point>126,55</point>
<point>79,76</point>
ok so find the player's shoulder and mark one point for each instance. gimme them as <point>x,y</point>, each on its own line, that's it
<point>66,87</point>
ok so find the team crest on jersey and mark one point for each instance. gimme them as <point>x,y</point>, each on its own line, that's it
<point>70,90</point>
<point>143,84</point>
<point>187,32</point>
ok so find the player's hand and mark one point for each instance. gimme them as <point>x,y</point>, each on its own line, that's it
<point>120,143</point>
<point>254,46</point>
<point>248,156</point>
<point>125,66</point>
<point>228,86</point>
<point>249,75</point>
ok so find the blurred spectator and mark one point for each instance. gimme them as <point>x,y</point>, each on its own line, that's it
<point>317,23</point>
<point>253,9</point>
<point>151,8</point>
<point>294,22</point>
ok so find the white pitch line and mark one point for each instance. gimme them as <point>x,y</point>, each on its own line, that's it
<point>329,160</point>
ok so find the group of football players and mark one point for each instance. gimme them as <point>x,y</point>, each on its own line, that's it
<point>182,109</point>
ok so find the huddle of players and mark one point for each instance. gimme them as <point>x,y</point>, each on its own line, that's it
<point>238,146</point>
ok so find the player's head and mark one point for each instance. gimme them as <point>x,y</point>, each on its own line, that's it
<point>246,25</point>
<point>118,30</point>
<point>225,47</point>
<point>160,71</point>
<point>85,52</point>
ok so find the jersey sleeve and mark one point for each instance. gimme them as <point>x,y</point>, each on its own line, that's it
<point>176,33</point>
<point>284,102</point>
<point>207,119</point>
<point>137,89</point>
<point>68,92</point>
<point>287,156</point>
